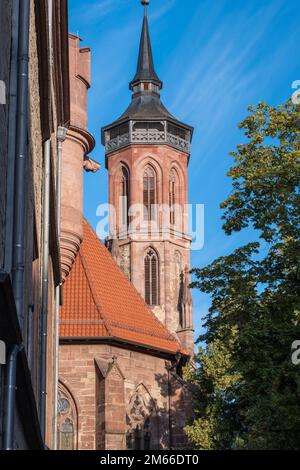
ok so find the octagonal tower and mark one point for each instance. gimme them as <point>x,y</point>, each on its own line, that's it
<point>147,155</point>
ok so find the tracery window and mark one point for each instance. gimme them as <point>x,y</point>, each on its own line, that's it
<point>151,278</point>
<point>172,196</point>
<point>125,196</point>
<point>67,435</point>
<point>141,419</point>
<point>67,420</point>
<point>149,193</point>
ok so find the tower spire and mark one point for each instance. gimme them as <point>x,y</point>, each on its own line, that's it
<point>145,68</point>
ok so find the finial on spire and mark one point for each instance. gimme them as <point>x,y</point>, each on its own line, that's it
<point>145,3</point>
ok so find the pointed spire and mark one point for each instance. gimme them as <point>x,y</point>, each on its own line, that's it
<point>145,68</point>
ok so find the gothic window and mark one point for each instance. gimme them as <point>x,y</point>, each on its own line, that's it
<point>125,196</point>
<point>151,278</point>
<point>67,435</point>
<point>149,194</point>
<point>67,420</point>
<point>141,421</point>
<point>172,196</point>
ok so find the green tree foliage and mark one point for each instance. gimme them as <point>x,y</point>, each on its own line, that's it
<point>247,391</point>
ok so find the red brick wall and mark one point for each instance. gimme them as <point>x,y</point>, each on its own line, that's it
<point>102,401</point>
<point>163,160</point>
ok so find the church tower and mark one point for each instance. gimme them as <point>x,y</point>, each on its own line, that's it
<point>147,155</point>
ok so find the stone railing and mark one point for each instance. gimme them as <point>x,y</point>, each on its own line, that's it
<point>147,137</point>
<point>117,142</point>
<point>177,142</point>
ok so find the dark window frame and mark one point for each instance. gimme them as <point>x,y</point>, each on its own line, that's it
<point>152,278</point>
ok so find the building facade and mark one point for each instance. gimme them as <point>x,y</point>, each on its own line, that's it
<point>33,120</point>
<point>92,340</point>
<point>126,326</point>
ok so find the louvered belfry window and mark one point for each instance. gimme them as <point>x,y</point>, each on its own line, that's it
<point>149,194</point>
<point>151,278</point>
<point>172,196</point>
<point>125,196</point>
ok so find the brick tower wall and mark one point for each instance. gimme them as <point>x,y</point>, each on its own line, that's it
<point>174,250</point>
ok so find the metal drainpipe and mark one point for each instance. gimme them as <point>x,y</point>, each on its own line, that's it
<point>30,336</point>
<point>18,132</point>
<point>21,160</point>
<point>46,249</point>
<point>45,281</point>
<point>61,136</point>
<point>170,410</point>
<point>9,416</point>
<point>12,122</point>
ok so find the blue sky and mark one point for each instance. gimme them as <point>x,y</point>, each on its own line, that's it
<point>215,58</point>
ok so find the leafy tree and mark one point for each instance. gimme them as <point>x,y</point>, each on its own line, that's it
<point>247,391</point>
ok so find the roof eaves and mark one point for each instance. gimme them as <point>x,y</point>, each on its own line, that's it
<point>120,341</point>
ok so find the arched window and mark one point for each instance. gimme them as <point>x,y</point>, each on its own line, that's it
<point>125,196</point>
<point>142,424</point>
<point>151,278</point>
<point>67,420</point>
<point>149,193</point>
<point>172,196</point>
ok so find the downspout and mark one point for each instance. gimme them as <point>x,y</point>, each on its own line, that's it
<point>61,136</point>
<point>45,281</point>
<point>170,410</point>
<point>30,336</point>
<point>9,417</point>
<point>12,122</point>
<point>21,160</point>
<point>46,248</point>
<point>18,134</point>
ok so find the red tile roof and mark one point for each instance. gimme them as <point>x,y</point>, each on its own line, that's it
<point>99,301</point>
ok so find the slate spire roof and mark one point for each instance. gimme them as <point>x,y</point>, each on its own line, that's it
<point>145,104</point>
<point>99,302</point>
<point>145,68</point>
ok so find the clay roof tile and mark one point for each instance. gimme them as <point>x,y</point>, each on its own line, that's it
<point>99,301</point>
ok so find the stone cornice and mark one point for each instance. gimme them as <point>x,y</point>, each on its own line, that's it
<point>114,341</point>
<point>82,136</point>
